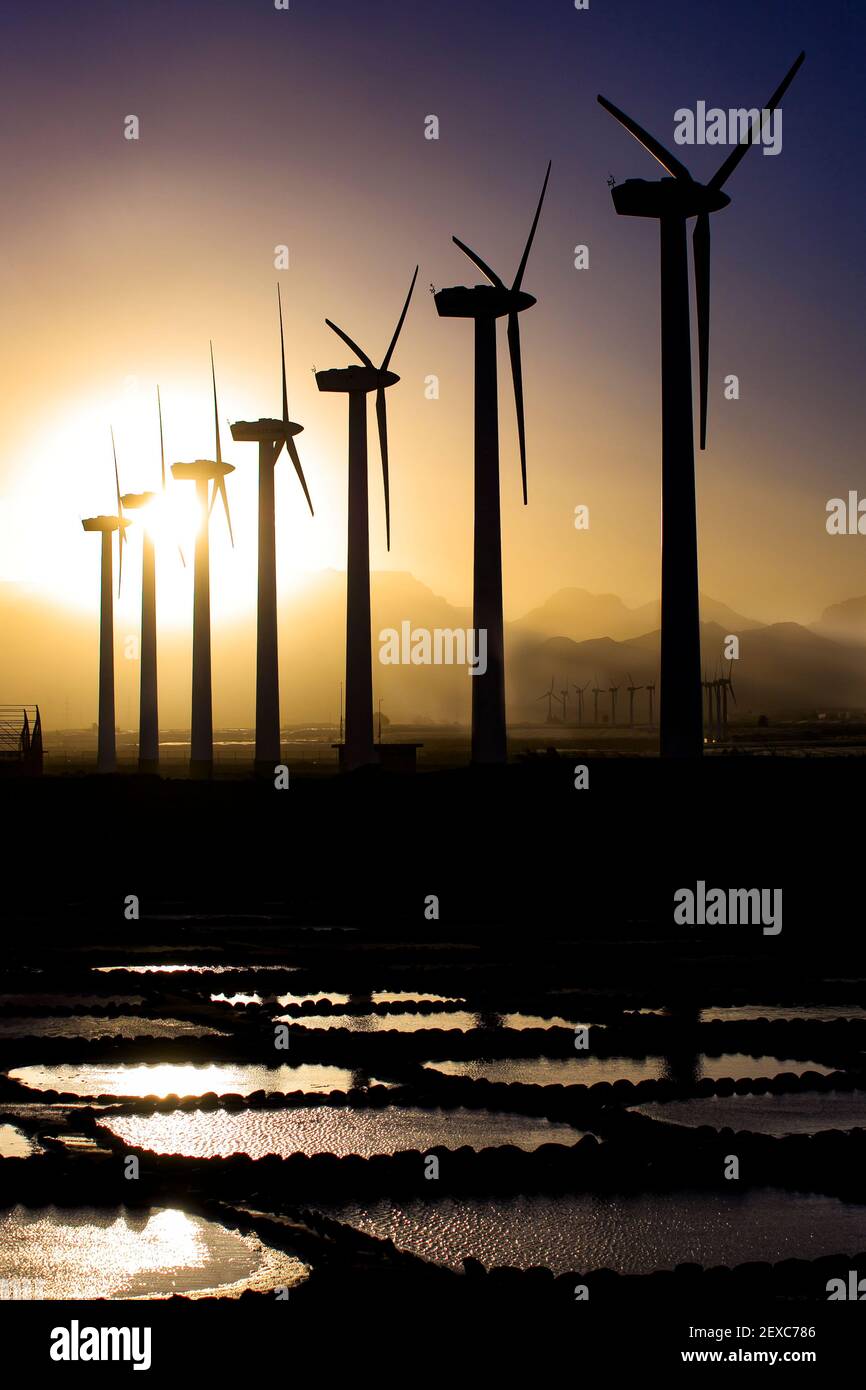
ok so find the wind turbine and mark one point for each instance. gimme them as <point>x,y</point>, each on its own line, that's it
<point>549,695</point>
<point>726,687</point>
<point>271,436</point>
<point>596,691</point>
<point>673,201</point>
<point>651,689</point>
<point>579,690</point>
<point>613,692</point>
<point>484,304</point>
<point>563,700</point>
<point>632,691</point>
<point>357,382</point>
<point>106,755</point>
<point>203,472</point>
<point>148,716</point>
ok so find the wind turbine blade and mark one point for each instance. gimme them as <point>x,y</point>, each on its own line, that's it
<point>220,489</point>
<point>216,416</point>
<point>119,515</point>
<point>701,248</point>
<point>293,455</point>
<point>382,418</point>
<point>285,392</point>
<point>518,279</point>
<point>161,439</point>
<point>476,260</point>
<point>387,357</point>
<point>517,378</point>
<point>669,162</point>
<point>723,173</point>
<point>354,346</point>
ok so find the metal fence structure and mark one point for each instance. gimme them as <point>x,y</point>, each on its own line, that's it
<point>20,739</point>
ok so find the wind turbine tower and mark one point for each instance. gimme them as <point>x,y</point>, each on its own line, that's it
<point>579,689</point>
<point>271,436</point>
<point>106,756</point>
<point>204,472</point>
<point>673,201</point>
<point>632,691</point>
<point>484,304</point>
<point>359,749</point>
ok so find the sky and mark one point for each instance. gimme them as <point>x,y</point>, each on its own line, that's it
<point>306,128</point>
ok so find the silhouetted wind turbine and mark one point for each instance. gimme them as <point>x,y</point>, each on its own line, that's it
<point>632,691</point>
<point>563,700</point>
<point>613,692</point>
<point>148,713</point>
<point>270,435</point>
<point>549,695</point>
<point>672,201</point>
<point>596,691</point>
<point>580,689</point>
<point>485,304</point>
<point>357,382</point>
<point>651,689</point>
<point>106,755</point>
<point>203,472</point>
<point>726,686</point>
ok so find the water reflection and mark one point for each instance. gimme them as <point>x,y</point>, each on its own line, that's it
<point>633,1235</point>
<point>336,1130</point>
<point>91,1026</point>
<point>181,1079</point>
<point>15,1144</point>
<point>805,1113</point>
<point>587,1070</point>
<point>89,1253</point>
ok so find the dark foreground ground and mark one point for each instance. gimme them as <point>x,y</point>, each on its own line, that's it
<point>539,889</point>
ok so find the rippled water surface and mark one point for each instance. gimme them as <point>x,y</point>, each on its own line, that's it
<point>414,1023</point>
<point>746,1013</point>
<point>15,1144</point>
<point>166,1078</point>
<point>633,1235</point>
<point>586,1070</point>
<point>336,1130</point>
<point>91,1026</point>
<point>94,1253</point>
<point>806,1113</point>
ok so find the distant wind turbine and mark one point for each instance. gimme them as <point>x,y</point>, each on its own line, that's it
<point>148,710</point>
<point>204,472</point>
<point>632,691</point>
<point>596,691</point>
<point>579,689</point>
<point>106,755</point>
<point>549,695</point>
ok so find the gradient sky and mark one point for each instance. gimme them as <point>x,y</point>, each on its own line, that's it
<point>306,127</point>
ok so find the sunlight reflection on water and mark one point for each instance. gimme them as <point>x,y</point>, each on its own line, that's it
<point>93,1253</point>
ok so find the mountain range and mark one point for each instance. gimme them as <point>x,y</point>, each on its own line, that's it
<point>784,669</point>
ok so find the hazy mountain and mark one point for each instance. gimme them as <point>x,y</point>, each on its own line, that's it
<point>50,656</point>
<point>581,615</point>
<point>783,668</point>
<point>844,622</point>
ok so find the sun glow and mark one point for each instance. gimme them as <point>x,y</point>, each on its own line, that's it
<point>66,474</point>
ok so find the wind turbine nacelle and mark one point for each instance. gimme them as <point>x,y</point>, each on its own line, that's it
<point>666,198</point>
<point>133,501</point>
<point>104,523</point>
<point>481,301</point>
<point>263,431</point>
<point>363,379</point>
<point>201,471</point>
